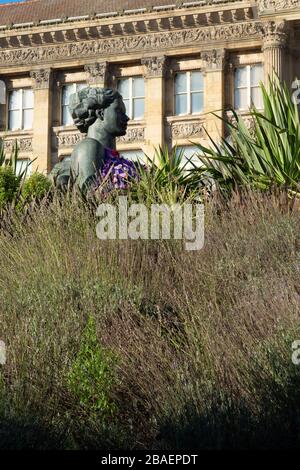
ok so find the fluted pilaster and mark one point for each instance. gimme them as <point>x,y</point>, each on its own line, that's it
<point>274,49</point>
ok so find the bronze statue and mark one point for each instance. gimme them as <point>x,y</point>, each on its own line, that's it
<point>101,113</point>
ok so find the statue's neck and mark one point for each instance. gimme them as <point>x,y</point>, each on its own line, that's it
<point>99,133</point>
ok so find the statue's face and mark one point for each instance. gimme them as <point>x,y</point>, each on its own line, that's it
<point>115,118</point>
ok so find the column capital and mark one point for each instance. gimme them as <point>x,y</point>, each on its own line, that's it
<point>214,59</point>
<point>97,72</point>
<point>275,34</point>
<point>41,78</point>
<point>155,66</point>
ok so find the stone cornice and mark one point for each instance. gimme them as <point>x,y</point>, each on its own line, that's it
<point>88,30</point>
<point>173,7</point>
<point>150,42</point>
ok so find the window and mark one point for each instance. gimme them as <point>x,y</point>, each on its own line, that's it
<point>246,87</point>
<point>189,156</point>
<point>23,167</point>
<point>134,155</point>
<point>67,91</point>
<point>20,109</point>
<point>132,90</point>
<point>189,93</point>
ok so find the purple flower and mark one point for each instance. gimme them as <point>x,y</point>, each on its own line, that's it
<point>117,171</point>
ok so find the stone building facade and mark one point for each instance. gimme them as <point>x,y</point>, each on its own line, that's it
<point>175,63</point>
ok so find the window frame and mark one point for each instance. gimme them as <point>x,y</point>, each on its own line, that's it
<point>131,98</point>
<point>248,87</point>
<point>21,109</point>
<point>189,93</point>
<point>62,105</point>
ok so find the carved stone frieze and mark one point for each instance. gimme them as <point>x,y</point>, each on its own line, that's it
<point>155,66</point>
<point>277,5</point>
<point>41,78</point>
<point>187,129</point>
<point>24,145</point>
<point>69,140</point>
<point>141,42</point>
<point>97,72</point>
<point>214,59</point>
<point>134,134</point>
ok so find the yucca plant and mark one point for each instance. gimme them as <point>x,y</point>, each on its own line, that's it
<point>11,181</point>
<point>12,161</point>
<point>166,178</point>
<point>268,155</point>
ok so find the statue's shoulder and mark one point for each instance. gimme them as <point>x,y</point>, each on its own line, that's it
<point>88,144</point>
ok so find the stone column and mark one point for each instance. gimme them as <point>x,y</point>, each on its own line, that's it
<point>41,143</point>
<point>274,49</point>
<point>154,101</point>
<point>97,74</point>
<point>214,91</point>
<point>3,104</point>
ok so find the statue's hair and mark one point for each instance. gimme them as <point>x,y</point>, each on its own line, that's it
<point>85,105</point>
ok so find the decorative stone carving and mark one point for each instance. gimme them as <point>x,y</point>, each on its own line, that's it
<point>97,72</point>
<point>214,59</point>
<point>141,42</point>
<point>69,140</point>
<point>277,5</point>
<point>275,34</point>
<point>187,129</point>
<point>24,145</point>
<point>274,43</point>
<point>134,134</point>
<point>41,77</point>
<point>156,66</point>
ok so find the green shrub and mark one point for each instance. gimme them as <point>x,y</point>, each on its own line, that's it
<point>93,376</point>
<point>36,186</point>
<point>9,185</point>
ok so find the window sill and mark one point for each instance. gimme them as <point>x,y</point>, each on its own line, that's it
<point>70,127</point>
<point>244,112</point>
<point>17,133</point>
<point>136,122</point>
<point>73,128</point>
<point>185,117</point>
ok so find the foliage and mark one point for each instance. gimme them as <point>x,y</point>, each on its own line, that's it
<point>166,178</point>
<point>36,186</point>
<point>12,161</point>
<point>93,374</point>
<point>266,156</point>
<point>193,349</point>
<point>11,181</point>
<point>9,185</point>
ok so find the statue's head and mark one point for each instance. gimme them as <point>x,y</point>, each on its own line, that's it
<point>99,106</point>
